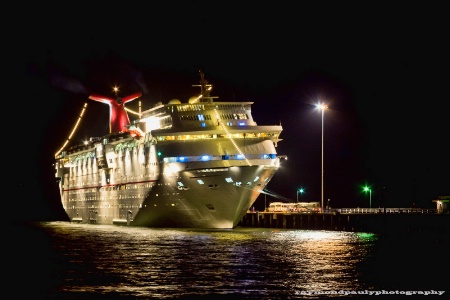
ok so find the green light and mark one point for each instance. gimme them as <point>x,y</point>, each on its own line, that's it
<point>301,191</point>
<point>367,236</point>
<point>159,153</point>
<point>368,189</point>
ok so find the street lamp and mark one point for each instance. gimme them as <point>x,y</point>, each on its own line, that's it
<point>301,191</point>
<point>265,201</point>
<point>368,189</point>
<point>322,107</point>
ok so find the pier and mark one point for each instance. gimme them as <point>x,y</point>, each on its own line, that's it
<point>383,220</point>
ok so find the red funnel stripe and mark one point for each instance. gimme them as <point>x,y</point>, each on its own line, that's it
<point>118,117</point>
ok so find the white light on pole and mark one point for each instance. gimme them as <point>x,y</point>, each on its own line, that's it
<point>322,107</point>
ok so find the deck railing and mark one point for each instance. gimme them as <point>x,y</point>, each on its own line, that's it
<point>397,210</point>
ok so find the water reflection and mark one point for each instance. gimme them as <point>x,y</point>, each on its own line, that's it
<point>99,260</point>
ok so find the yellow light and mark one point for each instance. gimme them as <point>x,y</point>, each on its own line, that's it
<point>133,112</point>
<point>73,130</point>
<point>231,138</point>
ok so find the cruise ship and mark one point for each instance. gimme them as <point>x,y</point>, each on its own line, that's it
<point>195,164</point>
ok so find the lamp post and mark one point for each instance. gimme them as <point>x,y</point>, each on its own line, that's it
<point>322,107</point>
<point>301,191</point>
<point>368,189</point>
<point>265,201</point>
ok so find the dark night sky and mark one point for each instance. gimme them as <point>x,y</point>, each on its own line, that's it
<point>382,71</point>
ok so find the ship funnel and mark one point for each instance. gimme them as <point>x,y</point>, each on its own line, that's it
<point>118,117</point>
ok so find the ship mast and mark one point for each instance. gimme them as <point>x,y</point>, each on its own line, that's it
<point>205,89</point>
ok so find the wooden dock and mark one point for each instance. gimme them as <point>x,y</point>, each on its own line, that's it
<point>358,220</point>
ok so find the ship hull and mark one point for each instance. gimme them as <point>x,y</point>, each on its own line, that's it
<point>220,201</point>
<point>215,203</point>
<point>133,188</point>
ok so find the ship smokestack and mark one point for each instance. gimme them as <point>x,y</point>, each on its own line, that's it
<point>118,117</point>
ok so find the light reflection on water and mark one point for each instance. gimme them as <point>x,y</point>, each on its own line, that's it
<point>83,261</point>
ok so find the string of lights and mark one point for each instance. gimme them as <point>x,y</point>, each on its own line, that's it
<point>74,129</point>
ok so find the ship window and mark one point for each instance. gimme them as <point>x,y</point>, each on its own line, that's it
<point>228,179</point>
<point>203,124</point>
<point>200,181</point>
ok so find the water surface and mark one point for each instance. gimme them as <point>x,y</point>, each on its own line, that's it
<point>60,260</point>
